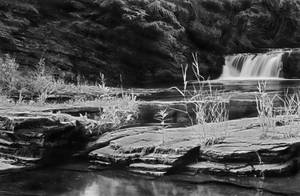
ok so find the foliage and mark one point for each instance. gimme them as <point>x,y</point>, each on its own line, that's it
<point>162,117</point>
<point>265,107</point>
<point>44,84</point>
<point>10,78</point>
<point>210,104</point>
<point>163,11</point>
<point>41,83</point>
<point>270,115</point>
<point>119,110</point>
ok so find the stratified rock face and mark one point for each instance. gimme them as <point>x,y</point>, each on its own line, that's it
<point>31,139</point>
<point>145,41</point>
<point>237,147</point>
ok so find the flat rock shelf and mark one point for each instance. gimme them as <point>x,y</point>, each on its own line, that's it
<point>236,147</point>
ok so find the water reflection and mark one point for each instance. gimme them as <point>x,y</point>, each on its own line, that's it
<point>115,186</point>
<point>63,182</point>
<point>225,86</point>
<point>278,85</point>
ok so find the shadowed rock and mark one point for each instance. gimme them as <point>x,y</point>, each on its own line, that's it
<point>32,139</point>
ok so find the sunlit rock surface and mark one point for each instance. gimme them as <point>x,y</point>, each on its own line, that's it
<point>237,147</point>
<point>144,41</point>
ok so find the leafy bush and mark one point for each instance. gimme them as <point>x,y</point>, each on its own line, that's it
<point>43,84</point>
<point>162,11</point>
<point>119,110</point>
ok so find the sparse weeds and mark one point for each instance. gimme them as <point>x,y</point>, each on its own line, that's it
<point>102,80</point>
<point>10,78</point>
<point>40,84</point>
<point>270,115</point>
<point>8,73</point>
<point>119,110</point>
<point>210,105</point>
<point>162,116</point>
<point>265,108</point>
<point>44,84</point>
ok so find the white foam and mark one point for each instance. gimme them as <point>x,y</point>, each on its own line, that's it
<point>262,66</point>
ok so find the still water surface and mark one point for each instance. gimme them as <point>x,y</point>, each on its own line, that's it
<point>65,182</point>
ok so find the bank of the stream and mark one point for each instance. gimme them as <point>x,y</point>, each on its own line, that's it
<point>233,155</point>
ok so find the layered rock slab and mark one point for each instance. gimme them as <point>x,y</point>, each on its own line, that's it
<point>153,148</point>
<point>31,139</point>
<point>150,146</point>
<point>237,147</point>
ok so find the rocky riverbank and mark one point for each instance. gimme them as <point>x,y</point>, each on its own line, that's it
<point>236,147</point>
<point>34,139</point>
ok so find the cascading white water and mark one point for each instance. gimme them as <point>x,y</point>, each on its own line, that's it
<point>247,66</point>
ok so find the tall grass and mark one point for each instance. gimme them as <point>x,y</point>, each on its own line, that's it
<point>265,108</point>
<point>210,105</point>
<point>40,84</point>
<point>285,113</point>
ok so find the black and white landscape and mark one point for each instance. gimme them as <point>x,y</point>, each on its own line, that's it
<point>149,97</point>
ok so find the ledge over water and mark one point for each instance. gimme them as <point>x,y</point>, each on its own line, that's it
<point>236,147</point>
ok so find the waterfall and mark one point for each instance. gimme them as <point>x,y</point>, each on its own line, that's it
<point>247,66</point>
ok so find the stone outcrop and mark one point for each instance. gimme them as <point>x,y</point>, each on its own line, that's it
<point>237,147</point>
<point>144,41</point>
<point>30,140</point>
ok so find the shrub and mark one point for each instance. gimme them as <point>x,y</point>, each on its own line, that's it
<point>210,105</point>
<point>10,78</point>
<point>285,113</point>
<point>42,83</point>
<point>119,111</point>
<point>162,11</point>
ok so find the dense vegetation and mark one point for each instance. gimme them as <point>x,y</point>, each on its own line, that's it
<point>40,89</point>
<point>145,41</point>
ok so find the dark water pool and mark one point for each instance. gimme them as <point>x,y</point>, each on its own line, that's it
<point>71,181</point>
